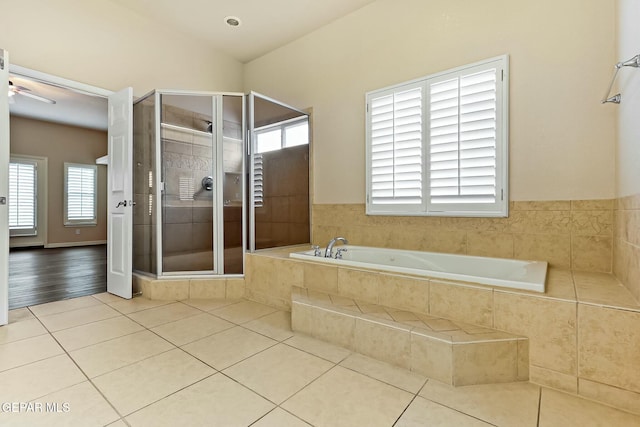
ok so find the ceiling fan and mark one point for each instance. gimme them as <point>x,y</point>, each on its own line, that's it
<point>25,91</point>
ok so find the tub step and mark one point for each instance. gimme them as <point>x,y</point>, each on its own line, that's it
<point>451,352</point>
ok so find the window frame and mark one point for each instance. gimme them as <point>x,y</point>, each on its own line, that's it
<point>80,222</point>
<point>32,231</point>
<point>283,126</point>
<point>500,208</point>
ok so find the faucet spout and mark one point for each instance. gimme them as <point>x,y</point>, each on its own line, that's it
<point>329,251</point>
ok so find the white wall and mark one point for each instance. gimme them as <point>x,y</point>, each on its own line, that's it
<point>562,52</point>
<point>628,148</point>
<point>103,44</point>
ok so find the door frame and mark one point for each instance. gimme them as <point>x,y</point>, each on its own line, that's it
<point>4,187</point>
<point>54,81</point>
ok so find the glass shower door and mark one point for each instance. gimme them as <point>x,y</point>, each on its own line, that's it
<point>189,175</point>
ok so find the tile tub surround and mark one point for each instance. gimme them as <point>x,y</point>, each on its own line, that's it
<point>280,379</point>
<point>626,247</point>
<point>554,322</point>
<point>573,234</point>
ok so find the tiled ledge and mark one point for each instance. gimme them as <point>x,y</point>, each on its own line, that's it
<point>452,352</point>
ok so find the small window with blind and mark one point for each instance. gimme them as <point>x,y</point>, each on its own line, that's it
<point>80,194</point>
<point>23,212</point>
<point>439,145</point>
<point>273,137</point>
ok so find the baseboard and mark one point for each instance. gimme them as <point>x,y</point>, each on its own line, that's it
<point>71,244</point>
<point>26,245</point>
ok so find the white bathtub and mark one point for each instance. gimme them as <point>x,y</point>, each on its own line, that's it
<point>507,273</point>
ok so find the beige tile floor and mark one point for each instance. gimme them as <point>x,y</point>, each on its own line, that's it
<point>101,360</point>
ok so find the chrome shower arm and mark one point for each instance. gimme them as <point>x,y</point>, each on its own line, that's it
<point>615,99</point>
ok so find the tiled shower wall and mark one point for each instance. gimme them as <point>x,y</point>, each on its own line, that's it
<point>626,260</point>
<point>575,234</point>
<point>283,219</point>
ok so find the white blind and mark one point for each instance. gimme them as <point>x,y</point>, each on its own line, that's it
<point>81,197</point>
<point>463,129</point>
<point>258,191</point>
<point>396,148</point>
<point>22,196</point>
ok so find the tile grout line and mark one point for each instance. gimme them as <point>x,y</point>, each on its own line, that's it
<point>539,406</point>
<point>415,396</point>
<point>83,373</point>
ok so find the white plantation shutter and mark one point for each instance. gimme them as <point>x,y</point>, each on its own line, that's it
<point>80,203</point>
<point>396,147</point>
<point>22,198</point>
<point>462,142</point>
<point>438,145</point>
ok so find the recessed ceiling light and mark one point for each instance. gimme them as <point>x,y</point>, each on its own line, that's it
<point>232,21</point>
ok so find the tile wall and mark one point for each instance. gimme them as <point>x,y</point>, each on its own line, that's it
<point>283,219</point>
<point>574,234</point>
<point>626,247</point>
<point>182,289</point>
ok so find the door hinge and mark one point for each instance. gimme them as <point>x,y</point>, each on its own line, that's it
<point>501,75</point>
<point>501,194</point>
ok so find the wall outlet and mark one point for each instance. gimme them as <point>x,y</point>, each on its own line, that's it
<point>77,231</point>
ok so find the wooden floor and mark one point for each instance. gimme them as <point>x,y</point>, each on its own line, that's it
<point>38,275</point>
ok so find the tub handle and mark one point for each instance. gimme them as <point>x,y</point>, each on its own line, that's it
<point>316,250</point>
<point>339,252</point>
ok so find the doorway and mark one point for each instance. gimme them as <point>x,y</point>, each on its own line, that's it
<point>62,124</point>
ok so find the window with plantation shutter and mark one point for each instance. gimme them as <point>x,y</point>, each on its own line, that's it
<point>438,145</point>
<point>396,147</point>
<point>80,194</point>
<point>22,198</point>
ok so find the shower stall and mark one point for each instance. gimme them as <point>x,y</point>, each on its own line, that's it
<point>207,186</point>
<point>189,183</point>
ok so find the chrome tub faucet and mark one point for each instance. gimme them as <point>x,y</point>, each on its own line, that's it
<point>328,253</point>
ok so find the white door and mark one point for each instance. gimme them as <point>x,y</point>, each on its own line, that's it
<point>4,187</point>
<point>119,194</point>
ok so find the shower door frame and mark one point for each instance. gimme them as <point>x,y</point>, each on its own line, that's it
<point>250,145</point>
<point>218,202</point>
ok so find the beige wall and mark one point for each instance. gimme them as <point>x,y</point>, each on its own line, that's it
<point>61,143</point>
<point>561,138</point>
<point>105,45</point>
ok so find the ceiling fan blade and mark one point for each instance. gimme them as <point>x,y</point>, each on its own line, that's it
<point>37,97</point>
